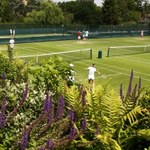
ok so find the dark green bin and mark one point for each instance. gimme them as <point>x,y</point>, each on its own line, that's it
<point>100,54</point>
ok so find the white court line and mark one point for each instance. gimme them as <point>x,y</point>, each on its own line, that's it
<point>126,69</point>
<point>65,45</point>
<point>136,60</point>
<point>111,75</point>
<point>113,66</point>
<point>122,69</point>
<point>125,74</point>
<point>119,72</point>
<point>33,49</point>
<point>102,76</point>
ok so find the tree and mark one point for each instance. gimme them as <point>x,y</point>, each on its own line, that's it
<point>111,12</point>
<point>124,12</point>
<point>82,12</point>
<point>12,11</point>
<point>143,7</point>
<point>47,13</point>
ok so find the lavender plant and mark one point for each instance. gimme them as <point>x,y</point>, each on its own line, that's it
<point>3,113</point>
<point>41,117</point>
<point>60,107</point>
<point>24,140</point>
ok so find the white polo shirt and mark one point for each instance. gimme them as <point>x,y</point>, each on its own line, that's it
<point>11,42</point>
<point>92,70</point>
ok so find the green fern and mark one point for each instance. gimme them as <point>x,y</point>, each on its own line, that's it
<point>103,108</point>
<point>145,133</point>
<point>73,98</point>
<point>109,141</point>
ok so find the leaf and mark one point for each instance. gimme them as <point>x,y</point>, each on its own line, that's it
<point>145,133</point>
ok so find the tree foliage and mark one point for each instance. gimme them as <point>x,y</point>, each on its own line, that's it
<point>47,13</point>
<point>79,12</point>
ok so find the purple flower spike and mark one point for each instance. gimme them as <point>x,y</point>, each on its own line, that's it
<point>42,148</point>
<point>47,104</point>
<point>139,85</point>
<point>3,108</point>
<point>48,107</point>
<point>2,120</point>
<point>24,141</point>
<point>50,145</point>
<point>60,108</point>
<point>25,93</point>
<point>2,113</point>
<point>121,93</point>
<point>134,93</point>
<point>84,124</point>
<point>130,85</point>
<point>72,132</point>
<point>71,115</point>
<point>3,76</point>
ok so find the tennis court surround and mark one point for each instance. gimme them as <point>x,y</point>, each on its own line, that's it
<point>115,70</point>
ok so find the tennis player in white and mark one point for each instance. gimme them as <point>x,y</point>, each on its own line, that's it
<point>91,73</point>
<point>11,43</point>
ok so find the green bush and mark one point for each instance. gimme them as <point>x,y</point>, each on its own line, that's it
<point>40,111</point>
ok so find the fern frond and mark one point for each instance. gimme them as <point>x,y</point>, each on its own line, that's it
<point>73,98</point>
<point>62,87</point>
<point>104,107</point>
<point>132,115</point>
<point>109,141</point>
<point>145,133</point>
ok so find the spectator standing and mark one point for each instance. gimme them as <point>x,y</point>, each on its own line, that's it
<point>86,34</point>
<point>10,32</point>
<point>14,32</point>
<point>72,73</point>
<point>79,34</point>
<point>71,78</point>
<point>142,33</point>
<point>11,43</point>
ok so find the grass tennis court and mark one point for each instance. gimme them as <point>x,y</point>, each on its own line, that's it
<point>116,69</point>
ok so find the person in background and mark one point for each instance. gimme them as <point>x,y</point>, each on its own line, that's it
<point>71,73</point>
<point>86,34</point>
<point>79,34</point>
<point>10,32</point>
<point>14,32</point>
<point>142,33</point>
<point>11,43</point>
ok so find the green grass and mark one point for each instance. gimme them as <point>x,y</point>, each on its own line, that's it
<point>116,69</point>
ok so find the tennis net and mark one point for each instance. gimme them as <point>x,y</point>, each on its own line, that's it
<point>68,56</point>
<point>127,50</point>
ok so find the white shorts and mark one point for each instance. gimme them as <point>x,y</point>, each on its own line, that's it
<point>91,77</point>
<point>11,45</point>
<point>79,37</point>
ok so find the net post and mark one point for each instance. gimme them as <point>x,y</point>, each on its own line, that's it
<point>108,51</point>
<point>90,53</point>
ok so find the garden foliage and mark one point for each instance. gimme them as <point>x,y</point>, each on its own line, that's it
<point>39,111</point>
